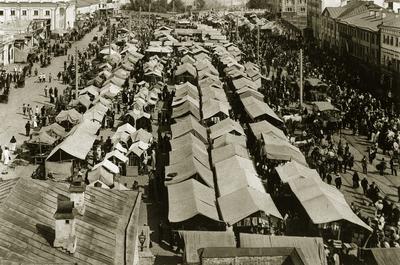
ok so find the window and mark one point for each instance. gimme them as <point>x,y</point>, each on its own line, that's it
<point>67,221</point>
<point>24,12</point>
<point>1,13</point>
<point>302,9</point>
<point>47,13</point>
<point>397,42</point>
<point>36,13</point>
<point>12,12</point>
<point>391,40</point>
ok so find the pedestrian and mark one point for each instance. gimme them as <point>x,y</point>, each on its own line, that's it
<point>356,180</point>
<point>29,110</point>
<point>364,164</point>
<point>27,128</point>
<point>45,91</point>
<point>364,185</point>
<point>394,163</point>
<point>50,77</point>
<point>338,182</point>
<point>37,110</point>
<point>36,72</point>
<point>329,179</point>
<point>13,144</point>
<point>382,166</point>
<point>24,109</point>
<point>55,92</point>
<point>5,156</point>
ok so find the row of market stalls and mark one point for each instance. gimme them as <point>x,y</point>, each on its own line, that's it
<point>211,179</point>
<point>324,204</point>
<point>76,130</point>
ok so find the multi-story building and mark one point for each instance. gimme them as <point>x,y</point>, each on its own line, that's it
<point>314,12</point>
<point>329,35</point>
<point>87,6</point>
<point>6,49</point>
<point>59,14</point>
<point>293,8</point>
<point>390,52</point>
<point>359,35</point>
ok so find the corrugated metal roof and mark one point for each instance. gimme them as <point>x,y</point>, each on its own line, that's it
<point>27,229</point>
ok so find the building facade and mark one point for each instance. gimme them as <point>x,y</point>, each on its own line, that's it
<point>293,8</point>
<point>60,14</point>
<point>6,49</point>
<point>390,52</point>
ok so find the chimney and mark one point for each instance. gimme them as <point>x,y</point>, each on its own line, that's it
<point>77,194</point>
<point>65,238</point>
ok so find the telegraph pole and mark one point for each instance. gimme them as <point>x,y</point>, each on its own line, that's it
<point>258,45</point>
<point>301,78</point>
<point>237,28</point>
<point>76,73</point>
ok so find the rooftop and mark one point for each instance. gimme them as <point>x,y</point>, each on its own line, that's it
<point>368,19</point>
<point>27,210</point>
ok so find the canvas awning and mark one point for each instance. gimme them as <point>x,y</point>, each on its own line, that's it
<point>224,152</point>
<point>118,155</point>
<point>258,128</point>
<point>188,168</point>
<point>42,138</point>
<point>186,68</point>
<point>312,247</point>
<point>54,130</point>
<point>190,198</point>
<point>382,256</point>
<point>323,202</point>
<point>276,148</point>
<point>179,101</point>
<point>72,116</point>
<point>293,170</point>
<point>189,124</point>
<point>229,138</point>
<point>92,90</point>
<point>214,107</point>
<point>324,106</point>
<point>226,126</point>
<point>177,155</point>
<point>195,240</point>
<point>187,139</point>
<point>256,108</point>
<point>142,135</point>
<point>244,202</point>
<point>129,129</point>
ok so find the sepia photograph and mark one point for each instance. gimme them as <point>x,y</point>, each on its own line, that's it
<point>199,132</point>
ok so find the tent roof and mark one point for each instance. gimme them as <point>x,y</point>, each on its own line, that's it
<point>71,115</point>
<point>211,93</point>
<point>186,68</point>
<point>246,91</point>
<point>258,128</point>
<point>177,155</point>
<point>54,129</point>
<point>187,125</point>
<point>141,135</point>
<point>110,166</point>
<point>324,106</point>
<point>178,101</point>
<point>224,152</point>
<point>186,169</point>
<point>42,138</point>
<point>126,128</point>
<point>229,138</point>
<point>323,202</point>
<point>117,154</point>
<point>209,81</point>
<point>225,126</point>
<point>93,90</point>
<point>312,247</point>
<point>185,109</point>
<point>276,148</point>
<point>256,108</point>
<point>213,107</point>
<point>187,139</point>
<point>190,198</point>
<point>293,170</point>
<point>101,174</point>
<point>385,256</point>
<point>244,202</point>
<point>188,59</point>
<point>195,240</point>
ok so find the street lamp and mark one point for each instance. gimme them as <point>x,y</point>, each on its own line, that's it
<point>142,239</point>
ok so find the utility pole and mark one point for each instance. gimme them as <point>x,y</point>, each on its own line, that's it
<point>301,78</point>
<point>258,45</point>
<point>237,28</point>
<point>109,38</point>
<point>149,12</point>
<point>76,73</point>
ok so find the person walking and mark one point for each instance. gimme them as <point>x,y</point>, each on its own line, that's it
<point>5,156</point>
<point>394,163</point>
<point>382,166</point>
<point>338,182</point>
<point>24,109</point>
<point>364,164</point>
<point>13,144</point>
<point>27,128</point>
<point>364,185</point>
<point>50,77</point>
<point>45,91</point>
<point>55,92</point>
<point>356,180</point>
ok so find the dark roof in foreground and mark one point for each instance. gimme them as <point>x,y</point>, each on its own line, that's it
<point>27,224</point>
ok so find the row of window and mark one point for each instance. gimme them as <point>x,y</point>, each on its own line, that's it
<point>360,34</point>
<point>389,40</point>
<point>391,62</point>
<point>290,9</point>
<point>25,12</point>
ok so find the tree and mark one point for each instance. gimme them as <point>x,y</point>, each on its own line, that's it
<point>257,4</point>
